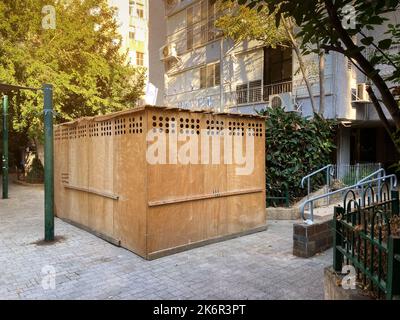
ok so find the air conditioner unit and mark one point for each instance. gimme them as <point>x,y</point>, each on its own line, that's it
<point>282,100</point>
<point>360,95</point>
<point>168,51</point>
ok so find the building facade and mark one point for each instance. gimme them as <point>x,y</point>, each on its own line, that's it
<point>139,21</point>
<point>205,71</point>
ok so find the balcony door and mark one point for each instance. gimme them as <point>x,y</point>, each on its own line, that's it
<point>278,65</point>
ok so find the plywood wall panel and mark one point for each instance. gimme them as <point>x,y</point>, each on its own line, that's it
<point>78,174</point>
<point>157,208</point>
<point>130,183</point>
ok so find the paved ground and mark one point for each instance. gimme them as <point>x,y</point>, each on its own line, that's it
<point>258,266</point>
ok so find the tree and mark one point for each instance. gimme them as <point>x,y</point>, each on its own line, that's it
<point>81,57</point>
<point>241,23</point>
<point>296,146</point>
<point>337,25</point>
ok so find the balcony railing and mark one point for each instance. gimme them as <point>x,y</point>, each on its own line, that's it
<point>245,95</point>
<point>201,99</point>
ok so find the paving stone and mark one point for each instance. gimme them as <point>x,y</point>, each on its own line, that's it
<point>258,266</point>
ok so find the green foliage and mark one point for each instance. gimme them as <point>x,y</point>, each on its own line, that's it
<point>36,172</point>
<point>295,146</point>
<point>317,26</point>
<point>243,23</point>
<point>82,58</point>
<point>323,26</point>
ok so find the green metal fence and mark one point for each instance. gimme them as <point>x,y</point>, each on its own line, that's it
<point>367,238</point>
<point>278,200</point>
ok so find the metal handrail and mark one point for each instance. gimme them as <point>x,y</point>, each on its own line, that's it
<point>381,172</point>
<point>393,183</point>
<point>328,169</point>
<point>377,172</point>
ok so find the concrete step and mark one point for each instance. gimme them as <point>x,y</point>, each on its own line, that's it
<point>323,212</point>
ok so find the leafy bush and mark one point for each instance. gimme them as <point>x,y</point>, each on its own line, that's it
<point>295,147</point>
<point>36,172</point>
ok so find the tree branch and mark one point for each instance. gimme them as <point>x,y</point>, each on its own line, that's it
<point>354,53</point>
<point>328,48</point>
<point>301,62</point>
<point>382,116</point>
<point>379,110</point>
<point>381,51</point>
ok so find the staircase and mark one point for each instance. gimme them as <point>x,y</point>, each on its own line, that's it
<point>320,204</point>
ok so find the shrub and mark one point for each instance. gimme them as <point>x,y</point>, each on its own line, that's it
<point>35,173</point>
<point>295,146</point>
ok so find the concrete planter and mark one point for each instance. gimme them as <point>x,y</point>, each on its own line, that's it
<point>334,291</point>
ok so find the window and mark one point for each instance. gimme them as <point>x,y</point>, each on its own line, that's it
<point>132,36</point>
<point>210,76</point>
<point>132,8</point>
<point>189,31</point>
<point>277,65</point>
<point>200,23</point>
<point>203,77</point>
<point>140,58</point>
<point>255,91</point>
<point>140,10</point>
<point>217,75</point>
<point>241,93</point>
<point>136,9</point>
<point>203,22</point>
<point>249,92</point>
<point>203,10</point>
<point>211,19</point>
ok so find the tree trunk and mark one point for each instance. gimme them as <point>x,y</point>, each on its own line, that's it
<point>36,144</point>
<point>321,69</point>
<point>382,117</point>
<point>301,62</point>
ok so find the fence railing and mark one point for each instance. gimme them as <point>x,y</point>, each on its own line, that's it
<point>367,237</point>
<point>364,186</point>
<point>345,174</point>
<point>328,172</point>
<point>247,94</point>
<point>275,200</point>
<point>201,99</point>
<point>349,174</point>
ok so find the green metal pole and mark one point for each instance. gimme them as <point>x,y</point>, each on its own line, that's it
<point>393,273</point>
<point>337,240</point>
<point>48,164</point>
<point>395,203</point>
<point>4,159</point>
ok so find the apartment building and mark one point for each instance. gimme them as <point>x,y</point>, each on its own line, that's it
<point>139,21</point>
<point>205,71</point>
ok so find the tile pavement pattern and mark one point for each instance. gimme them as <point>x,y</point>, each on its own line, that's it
<point>258,266</point>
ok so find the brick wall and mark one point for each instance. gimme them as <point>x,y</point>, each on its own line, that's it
<point>309,240</point>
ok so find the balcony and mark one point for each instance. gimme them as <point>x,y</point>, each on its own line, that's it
<point>205,99</point>
<point>252,94</point>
